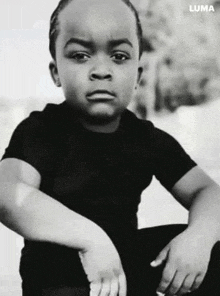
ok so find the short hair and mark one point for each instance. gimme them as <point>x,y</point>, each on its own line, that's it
<point>54,26</point>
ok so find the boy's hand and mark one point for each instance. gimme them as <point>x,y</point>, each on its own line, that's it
<point>186,260</point>
<point>102,265</point>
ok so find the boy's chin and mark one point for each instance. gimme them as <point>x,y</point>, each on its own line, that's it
<point>101,118</point>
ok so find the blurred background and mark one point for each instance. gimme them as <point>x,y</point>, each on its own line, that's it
<point>179,92</point>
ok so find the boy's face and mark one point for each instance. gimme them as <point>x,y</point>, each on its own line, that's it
<point>97,58</point>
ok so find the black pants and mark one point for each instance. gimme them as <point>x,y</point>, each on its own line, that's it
<point>142,279</point>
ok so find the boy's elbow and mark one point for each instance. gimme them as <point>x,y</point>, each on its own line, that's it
<point>5,204</point>
<point>12,197</point>
<point>3,195</point>
<point>7,196</point>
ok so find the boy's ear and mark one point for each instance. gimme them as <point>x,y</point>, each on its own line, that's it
<point>54,73</point>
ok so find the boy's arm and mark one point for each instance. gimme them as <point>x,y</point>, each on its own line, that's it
<point>187,256</point>
<point>37,216</point>
<point>201,196</point>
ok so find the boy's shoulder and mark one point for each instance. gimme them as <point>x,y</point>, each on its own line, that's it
<point>135,125</point>
<point>49,114</point>
<point>149,135</point>
<point>52,118</point>
<point>44,126</point>
<point>143,128</point>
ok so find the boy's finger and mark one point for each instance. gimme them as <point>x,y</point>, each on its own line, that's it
<point>106,286</point>
<point>114,288</point>
<point>95,288</point>
<point>160,258</point>
<point>187,285</point>
<point>199,279</point>
<point>176,283</point>
<point>122,285</point>
<point>167,278</point>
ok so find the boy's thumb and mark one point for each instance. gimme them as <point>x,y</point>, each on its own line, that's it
<point>160,258</point>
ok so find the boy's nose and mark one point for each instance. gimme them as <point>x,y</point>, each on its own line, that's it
<point>101,72</point>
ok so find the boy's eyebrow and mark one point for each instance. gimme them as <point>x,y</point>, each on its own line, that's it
<point>84,43</point>
<point>89,44</point>
<point>117,42</point>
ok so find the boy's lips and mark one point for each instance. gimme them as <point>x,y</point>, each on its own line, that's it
<point>103,95</point>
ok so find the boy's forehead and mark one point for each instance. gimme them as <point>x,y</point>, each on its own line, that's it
<point>97,16</point>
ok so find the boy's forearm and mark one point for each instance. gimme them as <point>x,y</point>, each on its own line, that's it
<point>36,216</point>
<point>204,213</point>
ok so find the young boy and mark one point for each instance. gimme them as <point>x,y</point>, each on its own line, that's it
<point>72,176</point>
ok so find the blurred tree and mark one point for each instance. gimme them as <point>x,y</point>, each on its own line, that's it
<point>182,54</point>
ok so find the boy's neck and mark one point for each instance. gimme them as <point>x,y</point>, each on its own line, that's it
<point>107,128</point>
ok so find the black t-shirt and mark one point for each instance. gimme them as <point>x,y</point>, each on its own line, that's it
<point>98,175</point>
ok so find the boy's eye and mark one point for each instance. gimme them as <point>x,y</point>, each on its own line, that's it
<point>120,57</point>
<point>80,57</point>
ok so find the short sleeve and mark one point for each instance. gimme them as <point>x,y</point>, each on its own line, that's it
<point>171,162</point>
<point>16,145</point>
<point>33,142</point>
